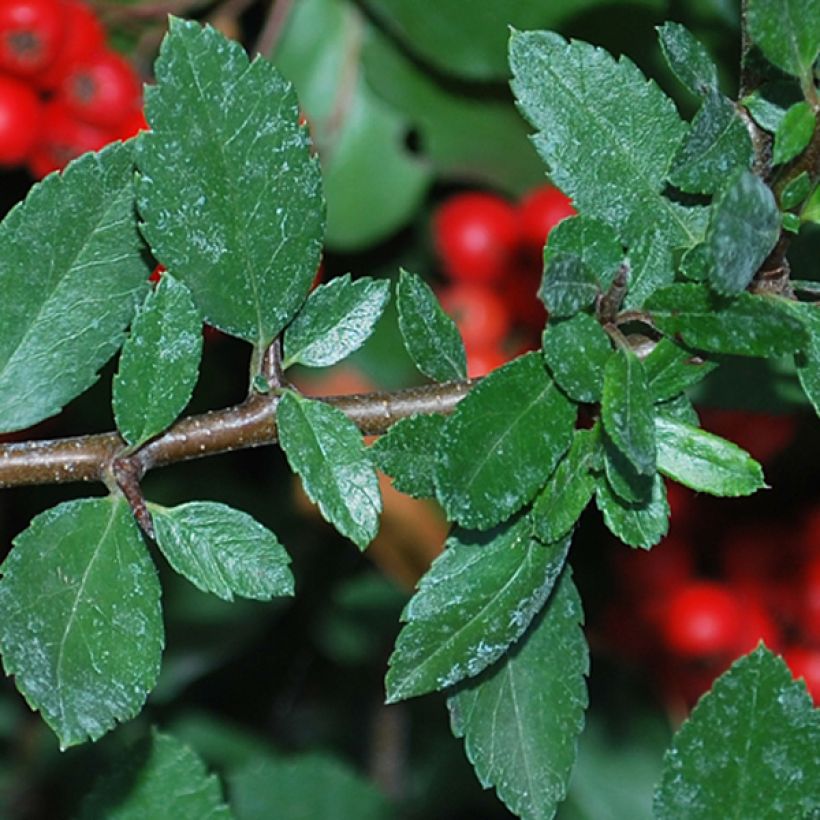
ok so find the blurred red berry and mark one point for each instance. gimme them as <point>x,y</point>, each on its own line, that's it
<point>63,138</point>
<point>479,313</point>
<point>656,573</point>
<point>804,662</point>
<point>82,34</point>
<point>30,35</point>
<point>20,120</point>
<point>757,625</point>
<point>702,619</point>
<point>540,211</point>
<point>520,293</point>
<point>754,551</point>
<point>809,616</point>
<point>101,89</point>
<point>476,236</point>
<point>483,359</point>
<point>132,125</point>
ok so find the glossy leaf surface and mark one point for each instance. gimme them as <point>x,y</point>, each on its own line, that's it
<point>477,598</point>
<point>688,58</point>
<point>639,525</point>
<point>671,369</point>
<point>82,626</point>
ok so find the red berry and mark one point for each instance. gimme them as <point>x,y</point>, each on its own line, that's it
<point>476,237</point>
<point>20,120</point>
<point>63,138</point>
<point>101,89</point>
<point>702,619</point>
<point>82,34</point>
<point>132,125</point>
<point>540,211</point>
<point>805,663</point>
<point>479,313</point>
<point>30,35</point>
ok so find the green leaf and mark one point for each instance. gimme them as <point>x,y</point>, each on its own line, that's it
<point>696,264</point>
<point>576,352</point>
<point>568,285</point>
<point>569,490</point>
<point>159,363</point>
<point>159,777</point>
<point>680,409</point>
<point>638,525</point>
<point>502,443</point>
<point>82,626</point>
<point>71,273</point>
<point>372,181</point>
<point>811,210</point>
<point>630,485</point>
<point>477,598</point>
<point>769,103</point>
<point>650,268</point>
<point>788,33</point>
<point>429,334</point>
<point>308,787</point>
<point>230,195</point>
<point>671,369</point>
<point>795,191</point>
<point>749,749</point>
<point>705,462</point>
<point>718,143</point>
<point>808,359</point>
<point>793,133</point>
<point>618,181</point>
<point>222,550</point>
<point>337,319</point>
<point>326,449</point>
<point>688,58</point>
<point>745,226</point>
<point>759,325</point>
<point>626,410</point>
<point>521,720</point>
<point>407,453</point>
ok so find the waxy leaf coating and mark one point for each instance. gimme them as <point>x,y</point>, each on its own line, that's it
<point>502,443</point>
<point>159,363</point>
<point>650,268</point>
<point>477,598</point>
<point>82,626</point>
<point>429,334</point>
<point>750,748</point>
<point>230,196</point>
<point>326,449</point>
<point>157,777</point>
<point>337,319</point>
<point>72,273</point>
<point>688,58</point>
<point>705,462</point>
<point>222,550</point>
<point>521,720</point>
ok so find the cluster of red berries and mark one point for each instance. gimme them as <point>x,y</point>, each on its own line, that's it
<point>713,588</point>
<point>62,90</point>
<point>490,250</point>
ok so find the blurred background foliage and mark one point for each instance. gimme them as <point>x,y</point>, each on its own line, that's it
<point>406,102</point>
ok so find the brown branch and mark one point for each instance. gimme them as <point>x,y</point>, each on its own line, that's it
<point>249,424</point>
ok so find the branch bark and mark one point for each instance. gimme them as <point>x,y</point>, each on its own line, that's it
<point>249,424</point>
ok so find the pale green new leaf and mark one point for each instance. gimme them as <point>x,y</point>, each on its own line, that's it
<point>82,626</point>
<point>429,334</point>
<point>222,550</point>
<point>579,98</point>
<point>158,777</point>
<point>521,720</point>
<point>744,227</point>
<point>72,273</point>
<point>688,58</point>
<point>748,325</point>
<point>337,319</point>
<point>705,462</point>
<point>788,33</point>
<point>159,364</point>
<point>793,133</point>
<point>671,369</point>
<point>326,449</point>
<point>650,268</point>
<point>407,453</point>
<point>718,144</point>
<point>228,190</point>
<point>638,525</point>
<point>795,191</point>
<point>570,488</point>
<point>576,352</point>
<point>626,410</point>
<point>502,443</point>
<point>751,748</point>
<point>477,598</point>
